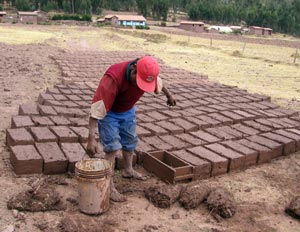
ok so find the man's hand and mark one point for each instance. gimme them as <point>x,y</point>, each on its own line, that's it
<point>92,146</point>
<point>171,101</point>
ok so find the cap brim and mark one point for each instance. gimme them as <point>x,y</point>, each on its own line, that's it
<point>145,86</point>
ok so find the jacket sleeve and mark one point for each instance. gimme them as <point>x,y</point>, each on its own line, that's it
<point>104,97</point>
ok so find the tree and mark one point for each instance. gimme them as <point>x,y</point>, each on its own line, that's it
<point>22,5</point>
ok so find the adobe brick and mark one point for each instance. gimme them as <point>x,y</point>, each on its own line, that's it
<point>185,124</point>
<point>290,121</point>
<point>53,91</point>
<point>235,117</point>
<point>287,112</point>
<point>83,104</point>
<point>172,113</point>
<point>269,104</point>
<point>264,153</point>
<point>236,160</point>
<point>157,143</point>
<point>222,119</point>
<point>26,160</point>
<point>46,110</point>
<point>235,133</point>
<point>21,121</point>
<point>204,136</point>
<point>192,112</point>
<point>219,133</point>
<point>190,139</point>
<point>81,132</point>
<point>244,114</point>
<point>206,109</point>
<point>175,141</point>
<point>19,136</point>
<point>294,130</point>
<point>269,123</point>
<point>144,118</point>
<point>257,126</point>
<point>201,167</point>
<point>64,134</point>
<point>74,152</point>
<point>289,145</point>
<point>209,120</point>
<point>251,156</point>
<point>219,163</point>
<point>277,114</point>
<point>69,104</point>
<point>52,103</point>
<point>219,107</point>
<point>28,109</point>
<point>284,124</point>
<point>59,97</point>
<point>291,135</point>
<point>43,97</point>
<point>42,121</point>
<point>43,134</point>
<point>54,160</point>
<point>277,148</point>
<point>245,129</point>
<point>155,129</point>
<point>171,127</point>
<point>60,121</point>
<point>156,116</point>
<point>78,121</point>
<point>73,97</point>
<point>198,122</point>
<point>142,132</point>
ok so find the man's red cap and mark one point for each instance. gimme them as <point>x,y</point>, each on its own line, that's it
<point>147,71</point>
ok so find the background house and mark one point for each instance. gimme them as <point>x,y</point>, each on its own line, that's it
<point>27,17</point>
<point>124,20</point>
<point>2,16</point>
<point>192,26</point>
<point>254,30</point>
<point>41,16</point>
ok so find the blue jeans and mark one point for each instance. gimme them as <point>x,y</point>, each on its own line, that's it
<point>118,131</point>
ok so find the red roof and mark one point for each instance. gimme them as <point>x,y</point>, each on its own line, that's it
<point>127,17</point>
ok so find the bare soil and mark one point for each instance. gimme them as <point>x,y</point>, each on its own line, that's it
<point>261,193</point>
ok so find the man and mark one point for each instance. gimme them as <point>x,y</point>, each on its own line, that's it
<point>113,110</point>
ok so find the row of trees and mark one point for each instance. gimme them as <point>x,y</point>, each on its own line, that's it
<point>281,15</point>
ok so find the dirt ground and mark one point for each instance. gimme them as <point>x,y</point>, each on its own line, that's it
<point>261,192</point>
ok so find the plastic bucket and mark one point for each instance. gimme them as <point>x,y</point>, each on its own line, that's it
<point>93,179</point>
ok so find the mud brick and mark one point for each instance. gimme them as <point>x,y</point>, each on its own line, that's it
<point>79,121</point>
<point>235,133</point>
<point>198,122</point>
<point>145,118</point>
<point>69,104</point>
<point>201,101</point>
<point>245,129</point>
<point>192,112</point>
<point>262,113</point>
<point>276,113</point>
<point>269,104</point>
<point>235,117</point>
<point>236,160</point>
<point>143,108</point>
<point>54,160</point>
<point>60,121</point>
<point>52,103</point>
<point>277,148</point>
<point>42,121</point>
<point>295,131</point>
<point>260,97</point>
<point>219,133</point>
<point>269,123</point>
<point>209,120</point>
<point>142,132</point>
<point>192,140</point>
<point>186,125</point>
<point>246,115</point>
<point>21,121</point>
<point>287,112</point>
<point>291,135</point>
<point>83,104</point>
<point>212,100</point>
<point>284,124</point>
<point>73,97</point>
<point>201,167</point>
<point>289,145</point>
<point>206,109</point>
<point>119,163</point>
<point>46,110</point>
<point>82,133</point>
<point>43,134</point>
<point>264,153</point>
<point>222,119</point>
<point>86,98</point>
<point>59,97</point>
<point>204,136</point>
<point>140,150</point>
<point>175,141</point>
<point>64,134</point>
<point>26,160</point>
<point>219,163</point>
<point>290,121</point>
<point>218,107</point>
<point>171,127</point>
<point>172,114</point>
<point>251,156</point>
<point>52,91</point>
<point>43,97</point>
<point>158,143</point>
<point>28,109</point>
<point>64,111</point>
<point>156,106</point>
<point>19,136</point>
<point>155,129</point>
<point>257,126</point>
<point>74,152</point>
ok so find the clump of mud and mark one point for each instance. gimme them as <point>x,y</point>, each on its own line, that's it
<point>80,224</point>
<point>163,196</point>
<point>193,195</point>
<point>221,203</point>
<point>293,208</point>
<point>42,198</point>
